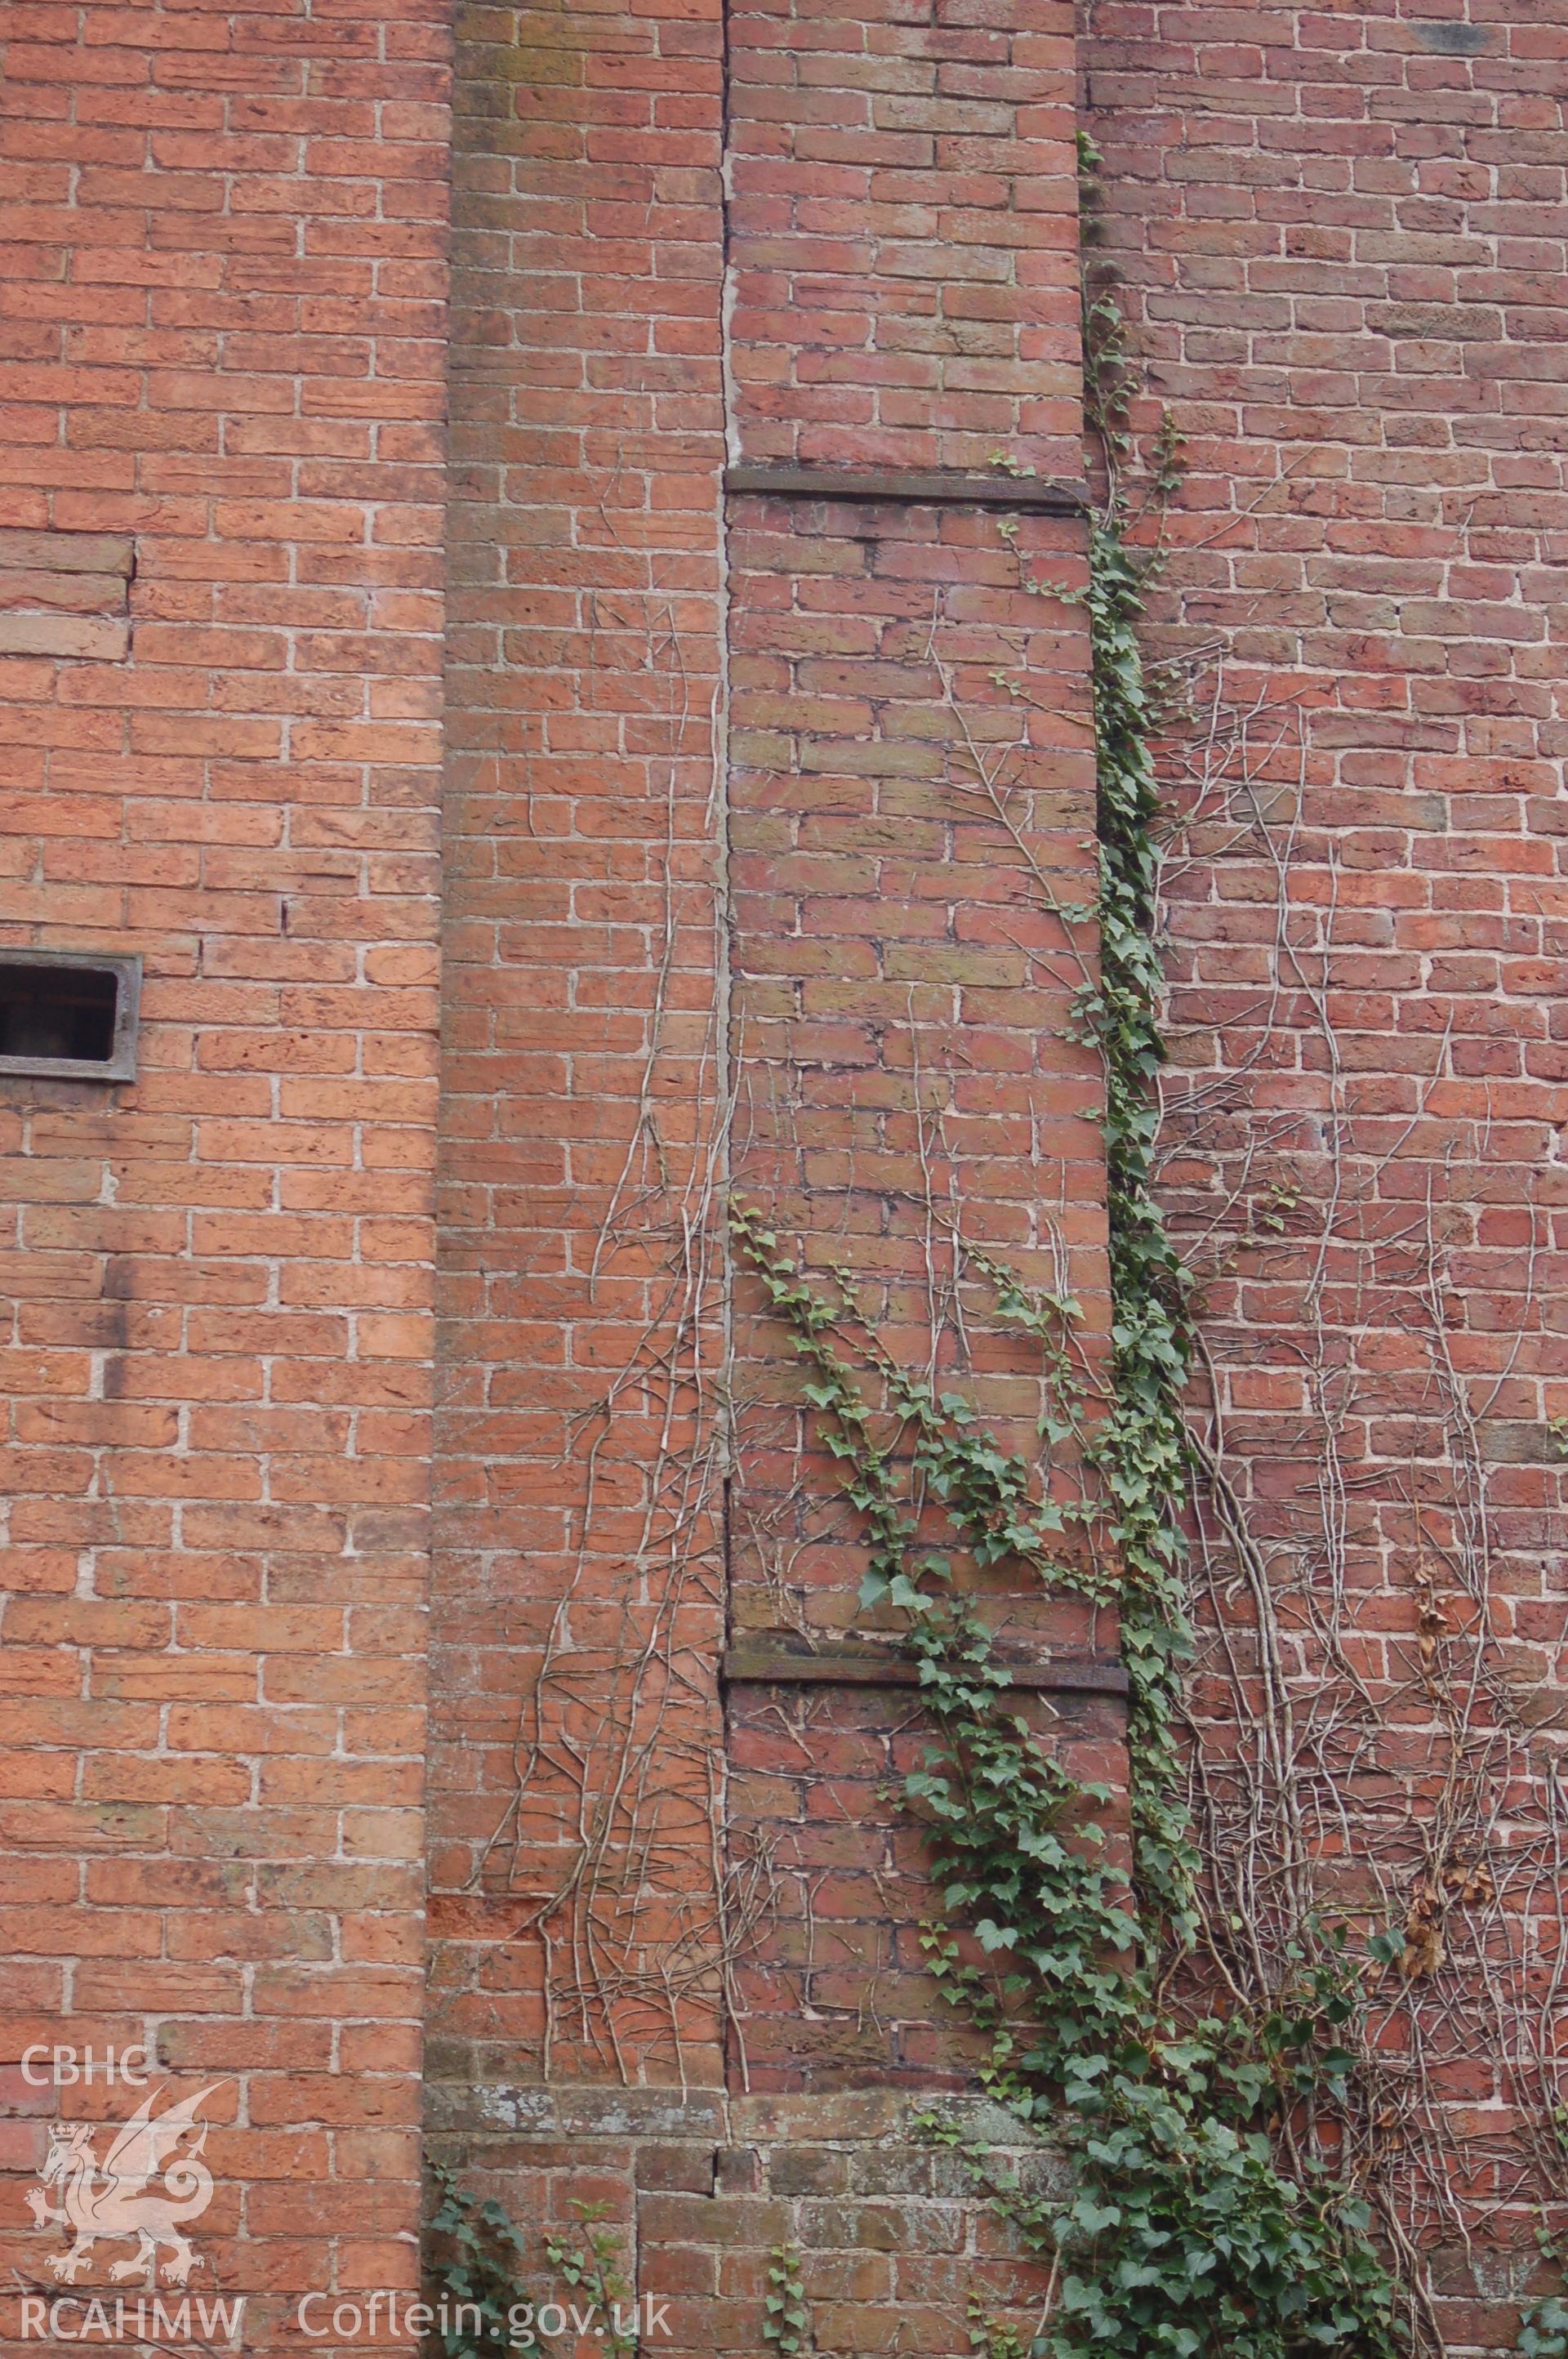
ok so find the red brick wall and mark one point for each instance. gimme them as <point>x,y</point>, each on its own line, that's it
<point>727,904</point>
<point>903,235</point>
<point>908,1082</point>
<point>580,1609</point>
<point>1341,241</point>
<point>224,322</point>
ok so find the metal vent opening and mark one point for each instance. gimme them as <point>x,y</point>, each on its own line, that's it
<point>66,1016</point>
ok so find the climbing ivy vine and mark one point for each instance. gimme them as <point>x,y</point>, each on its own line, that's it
<point>1206,2217</point>
<point>1187,2232</point>
<point>786,2321</point>
<point>476,2282</point>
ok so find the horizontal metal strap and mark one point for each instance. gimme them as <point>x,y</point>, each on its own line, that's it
<point>764,1665</point>
<point>922,487</point>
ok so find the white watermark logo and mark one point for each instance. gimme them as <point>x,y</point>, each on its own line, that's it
<point>152,2182</point>
<point>143,2188</point>
<point>89,2318</point>
<point>388,2317</point>
<point>62,2068</point>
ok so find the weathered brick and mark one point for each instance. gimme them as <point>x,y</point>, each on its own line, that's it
<point>717,820</point>
<point>1311,252</point>
<point>168,645</point>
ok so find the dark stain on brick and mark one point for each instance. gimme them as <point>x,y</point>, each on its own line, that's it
<point>1452,40</point>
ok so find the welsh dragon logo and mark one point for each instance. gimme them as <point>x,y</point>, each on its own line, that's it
<point>142,2189</point>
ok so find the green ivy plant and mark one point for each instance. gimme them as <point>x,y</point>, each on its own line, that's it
<point>1543,2332</point>
<point>1187,2232</point>
<point>786,2321</point>
<point>475,2258</point>
<point>990,2340</point>
<point>1206,2221</point>
<point>594,2268</point>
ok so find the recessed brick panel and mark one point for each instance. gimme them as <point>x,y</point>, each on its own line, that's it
<point>903,235</point>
